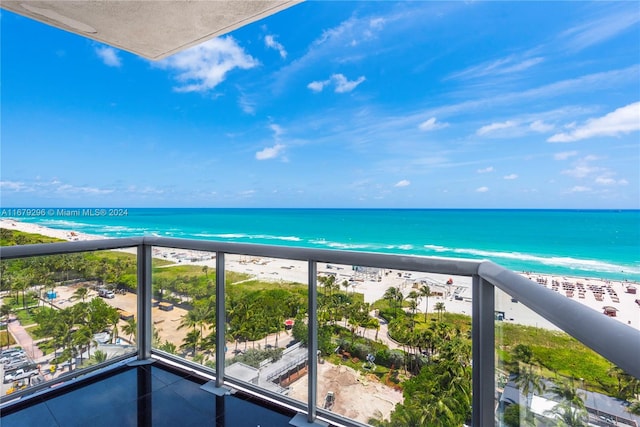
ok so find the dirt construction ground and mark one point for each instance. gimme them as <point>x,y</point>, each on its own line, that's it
<point>356,396</point>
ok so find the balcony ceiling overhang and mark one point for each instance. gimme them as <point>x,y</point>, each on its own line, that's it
<point>151,29</point>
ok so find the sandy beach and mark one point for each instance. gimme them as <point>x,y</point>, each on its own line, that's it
<point>595,293</point>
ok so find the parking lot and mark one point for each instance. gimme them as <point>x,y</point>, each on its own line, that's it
<point>16,369</point>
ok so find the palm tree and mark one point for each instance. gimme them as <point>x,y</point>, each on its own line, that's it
<point>522,353</point>
<point>82,338</point>
<point>81,293</point>
<point>189,320</point>
<point>5,310</point>
<point>529,381</point>
<point>394,296</point>
<point>439,307</point>
<point>167,346</point>
<point>425,292</point>
<point>114,318</point>
<point>413,306</point>
<point>628,385</point>
<point>191,341</point>
<point>345,285</point>
<point>99,356</point>
<point>570,411</point>
<point>130,328</point>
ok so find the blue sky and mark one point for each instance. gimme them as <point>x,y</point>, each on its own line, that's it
<point>335,104</point>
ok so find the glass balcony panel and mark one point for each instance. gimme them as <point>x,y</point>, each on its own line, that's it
<point>65,313</point>
<point>382,329</point>
<point>266,302</point>
<point>546,377</point>
<point>183,306</point>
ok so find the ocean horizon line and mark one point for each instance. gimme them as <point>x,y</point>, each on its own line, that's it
<point>321,208</point>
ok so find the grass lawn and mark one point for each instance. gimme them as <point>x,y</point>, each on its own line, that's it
<point>6,339</point>
<point>25,317</point>
<point>557,353</point>
<point>171,272</point>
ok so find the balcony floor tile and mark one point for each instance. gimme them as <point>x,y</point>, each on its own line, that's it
<point>168,398</point>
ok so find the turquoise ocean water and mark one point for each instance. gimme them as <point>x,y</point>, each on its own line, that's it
<point>589,243</point>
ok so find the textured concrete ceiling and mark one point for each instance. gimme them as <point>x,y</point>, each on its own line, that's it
<point>149,28</point>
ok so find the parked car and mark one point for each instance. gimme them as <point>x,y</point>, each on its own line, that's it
<point>14,359</point>
<point>12,375</point>
<point>11,352</point>
<point>16,365</point>
<point>106,293</point>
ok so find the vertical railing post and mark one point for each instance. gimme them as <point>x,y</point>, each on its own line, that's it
<point>313,342</point>
<point>221,323</point>
<point>483,352</point>
<point>144,292</point>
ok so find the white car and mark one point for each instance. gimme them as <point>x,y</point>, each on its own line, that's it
<point>11,376</point>
<point>105,293</point>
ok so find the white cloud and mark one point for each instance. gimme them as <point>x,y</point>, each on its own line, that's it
<point>540,126</point>
<point>352,31</point>
<point>581,170</point>
<point>601,29</point>
<point>72,189</point>
<point>508,65</point>
<point>247,105</point>
<point>52,186</point>
<point>482,189</point>
<point>342,84</point>
<point>403,183</point>
<point>377,23</point>
<point>608,180</point>
<point>14,186</point>
<point>511,176</point>
<point>486,170</point>
<point>203,67</point>
<point>277,130</point>
<point>109,56</point>
<point>270,152</point>
<point>145,190</point>
<point>565,155</point>
<point>432,124</point>
<point>351,41</point>
<point>318,86</point>
<point>621,121</point>
<point>586,83</point>
<point>579,189</point>
<point>495,126</point>
<point>270,42</point>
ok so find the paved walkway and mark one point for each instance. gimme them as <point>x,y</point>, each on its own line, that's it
<point>24,340</point>
<point>383,333</point>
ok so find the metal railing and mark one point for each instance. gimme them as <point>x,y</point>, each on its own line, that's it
<point>618,343</point>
